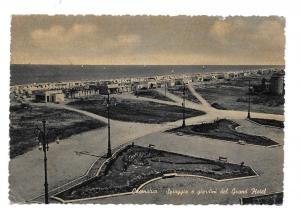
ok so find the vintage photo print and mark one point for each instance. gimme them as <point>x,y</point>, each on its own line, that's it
<point>147,109</point>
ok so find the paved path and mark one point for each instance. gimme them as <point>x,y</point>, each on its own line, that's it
<point>90,173</point>
<point>267,162</point>
<point>203,102</point>
<point>178,100</point>
<point>133,97</point>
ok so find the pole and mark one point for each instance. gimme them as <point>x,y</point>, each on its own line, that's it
<point>248,116</point>
<point>108,128</point>
<point>183,107</point>
<point>165,89</point>
<point>45,161</point>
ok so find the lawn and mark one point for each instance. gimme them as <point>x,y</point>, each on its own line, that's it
<point>135,110</point>
<point>150,93</point>
<point>223,129</point>
<point>136,165</point>
<point>233,95</point>
<point>63,123</point>
<point>270,199</point>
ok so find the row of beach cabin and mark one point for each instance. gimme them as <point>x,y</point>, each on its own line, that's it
<point>57,92</point>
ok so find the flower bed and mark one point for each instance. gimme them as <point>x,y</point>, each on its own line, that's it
<point>135,165</point>
<point>269,122</point>
<point>223,129</point>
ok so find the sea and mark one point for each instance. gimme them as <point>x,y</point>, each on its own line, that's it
<point>35,73</point>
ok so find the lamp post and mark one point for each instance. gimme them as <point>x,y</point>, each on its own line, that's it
<point>183,107</point>
<point>109,102</point>
<point>248,116</point>
<point>41,135</point>
<point>165,88</point>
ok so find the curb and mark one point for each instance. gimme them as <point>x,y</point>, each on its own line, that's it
<point>136,191</point>
<point>270,126</point>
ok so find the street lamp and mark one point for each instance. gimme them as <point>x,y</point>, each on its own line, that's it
<point>165,88</point>
<point>42,136</point>
<point>109,102</point>
<point>183,107</point>
<point>249,95</point>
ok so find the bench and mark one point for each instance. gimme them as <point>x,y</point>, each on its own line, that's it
<point>222,159</point>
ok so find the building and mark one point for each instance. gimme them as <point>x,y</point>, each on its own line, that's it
<point>179,82</point>
<point>152,83</point>
<point>206,78</point>
<point>277,83</point>
<point>170,83</point>
<point>140,85</point>
<point>219,76</point>
<point>54,96</point>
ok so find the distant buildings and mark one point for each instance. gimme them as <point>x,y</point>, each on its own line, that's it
<point>56,92</point>
<point>149,83</point>
<point>80,92</point>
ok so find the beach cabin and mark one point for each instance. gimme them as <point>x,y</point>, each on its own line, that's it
<point>152,83</point>
<point>48,96</point>
<point>140,85</point>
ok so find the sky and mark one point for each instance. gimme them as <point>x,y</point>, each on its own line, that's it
<point>147,40</point>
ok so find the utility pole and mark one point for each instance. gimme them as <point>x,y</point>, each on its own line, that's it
<point>183,107</point>
<point>249,95</point>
